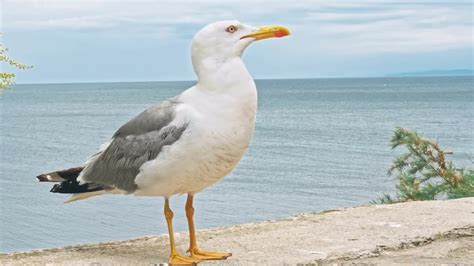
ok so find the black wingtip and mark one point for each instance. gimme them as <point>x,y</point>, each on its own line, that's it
<point>56,188</point>
<point>72,187</point>
<point>70,174</point>
<point>42,178</point>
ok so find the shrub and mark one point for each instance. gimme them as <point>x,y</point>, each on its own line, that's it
<point>423,173</point>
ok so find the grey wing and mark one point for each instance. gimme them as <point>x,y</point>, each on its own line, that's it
<point>136,142</point>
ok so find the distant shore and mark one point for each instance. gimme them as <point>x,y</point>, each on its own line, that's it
<point>422,232</point>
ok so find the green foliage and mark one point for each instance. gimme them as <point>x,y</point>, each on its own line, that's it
<point>423,173</point>
<point>465,188</point>
<point>7,78</point>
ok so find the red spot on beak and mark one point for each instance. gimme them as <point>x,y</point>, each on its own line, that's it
<point>281,33</point>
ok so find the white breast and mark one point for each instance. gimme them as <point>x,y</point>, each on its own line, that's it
<point>220,129</point>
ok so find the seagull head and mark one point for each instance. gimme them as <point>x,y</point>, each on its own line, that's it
<point>220,41</point>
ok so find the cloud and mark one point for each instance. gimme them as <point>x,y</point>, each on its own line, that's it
<point>334,27</point>
<point>389,27</point>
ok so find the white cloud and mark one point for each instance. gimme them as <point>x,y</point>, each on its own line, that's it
<point>335,27</point>
<point>380,28</point>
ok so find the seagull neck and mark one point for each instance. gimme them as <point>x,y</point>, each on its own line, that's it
<point>215,75</point>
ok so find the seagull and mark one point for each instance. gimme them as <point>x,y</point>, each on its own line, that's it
<point>184,144</point>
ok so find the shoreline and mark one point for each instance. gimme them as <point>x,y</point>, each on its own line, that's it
<point>424,231</point>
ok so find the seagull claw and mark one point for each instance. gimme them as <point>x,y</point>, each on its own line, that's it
<point>208,255</point>
<point>177,259</point>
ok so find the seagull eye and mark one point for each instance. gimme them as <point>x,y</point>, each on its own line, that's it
<point>231,29</point>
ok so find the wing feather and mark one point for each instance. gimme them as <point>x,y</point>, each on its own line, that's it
<point>136,142</point>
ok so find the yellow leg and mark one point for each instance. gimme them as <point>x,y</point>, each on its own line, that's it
<point>195,252</point>
<point>175,258</point>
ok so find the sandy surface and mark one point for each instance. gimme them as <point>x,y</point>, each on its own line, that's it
<point>422,232</point>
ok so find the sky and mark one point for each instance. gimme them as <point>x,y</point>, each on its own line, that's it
<point>112,41</point>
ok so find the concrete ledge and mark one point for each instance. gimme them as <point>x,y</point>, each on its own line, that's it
<point>422,232</point>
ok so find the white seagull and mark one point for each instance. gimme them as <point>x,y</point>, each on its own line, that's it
<point>186,143</point>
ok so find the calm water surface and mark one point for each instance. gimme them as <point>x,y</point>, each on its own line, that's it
<point>319,144</point>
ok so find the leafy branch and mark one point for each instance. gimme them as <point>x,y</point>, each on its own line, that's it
<point>423,173</point>
<point>7,78</point>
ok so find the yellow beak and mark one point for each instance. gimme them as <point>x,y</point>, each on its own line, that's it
<point>268,32</point>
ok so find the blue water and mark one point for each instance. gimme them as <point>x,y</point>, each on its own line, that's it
<point>319,144</point>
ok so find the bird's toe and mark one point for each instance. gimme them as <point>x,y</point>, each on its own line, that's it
<point>209,255</point>
<point>177,259</point>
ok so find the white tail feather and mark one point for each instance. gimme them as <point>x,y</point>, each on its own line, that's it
<point>85,195</point>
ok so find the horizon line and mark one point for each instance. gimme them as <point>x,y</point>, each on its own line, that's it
<point>256,79</point>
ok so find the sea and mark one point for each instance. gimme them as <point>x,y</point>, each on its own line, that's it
<point>319,144</point>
